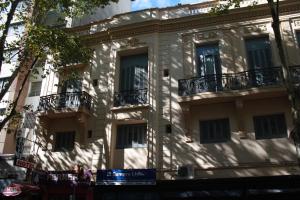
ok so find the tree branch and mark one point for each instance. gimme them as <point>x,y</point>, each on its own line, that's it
<point>11,80</point>
<point>9,19</point>
<point>287,77</point>
<point>15,103</point>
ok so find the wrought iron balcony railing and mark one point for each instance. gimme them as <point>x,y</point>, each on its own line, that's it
<point>71,100</point>
<point>231,81</point>
<point>130,97</point>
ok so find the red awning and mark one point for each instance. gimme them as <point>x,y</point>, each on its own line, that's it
<point>16,189</point>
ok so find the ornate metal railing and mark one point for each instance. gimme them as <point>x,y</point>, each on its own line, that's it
<point>73,100</point>
<point>231,81</point>
<point>130,97</point>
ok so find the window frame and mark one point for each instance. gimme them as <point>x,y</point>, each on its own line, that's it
<point>253,38</point>
<point>3,82</point>
<point>269,118</point>
<point>216,123</point>
<point>64,137</point>
<point>35,92</point>
<point>128,80</point>
<point>211,45</point>
<point>298,38</point>
<point>126,140</point>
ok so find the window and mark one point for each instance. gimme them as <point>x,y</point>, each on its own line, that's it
<point>214,131</point>
<point>29,120</point>
<point>95,82</point>
<point>70,96</point>
<point>64,141</point>
<point>270,126</point>
<point>35,89</point>
<point>259,59</point>
<point>259,53</point>
<point>298,38</point>
<point>72,86</point>
<point>11,55</point>
<point>16,29</point>
<point>209,66</point>
<point>131,136</point>
<point>133,72</point>
<point>2,113</point>
<point>3,82</point>
<point>166,72</point>
<point>133,80</point>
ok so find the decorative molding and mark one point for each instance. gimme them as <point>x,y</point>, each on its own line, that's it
<point>260,28</point>
<point>186,39</point>
<point>206,35</point>
<point>297,22</point>
<point>132,42</point>
<point>186,23</point>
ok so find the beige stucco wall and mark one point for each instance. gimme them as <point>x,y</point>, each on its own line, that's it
<point>175,51</point>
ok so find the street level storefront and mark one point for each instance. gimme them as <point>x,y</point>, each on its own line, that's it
<point>256,188</point>
<point>24,191</point>
<point>61,185</point>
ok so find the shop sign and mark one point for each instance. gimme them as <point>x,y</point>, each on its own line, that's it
<point>24,164</point>
<point>60,177</point>
<point>12,191</point>
<point>126,177</point>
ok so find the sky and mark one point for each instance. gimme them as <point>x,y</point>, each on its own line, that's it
<point>143,4</point>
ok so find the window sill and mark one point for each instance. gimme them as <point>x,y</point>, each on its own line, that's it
<point>130,107</point>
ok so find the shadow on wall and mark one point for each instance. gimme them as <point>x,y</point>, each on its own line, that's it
<point>172,149</point>
<point>176,152</point>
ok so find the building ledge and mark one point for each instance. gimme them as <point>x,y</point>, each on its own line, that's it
<point>130,107</point>
<point>225,96</point>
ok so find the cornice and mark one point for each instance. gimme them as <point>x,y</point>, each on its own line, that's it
<point>188,22</point>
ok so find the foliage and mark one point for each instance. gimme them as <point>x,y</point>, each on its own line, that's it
<point>41,40</point>
<point>225,5</point>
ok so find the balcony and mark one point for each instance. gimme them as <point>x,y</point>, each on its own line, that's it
<point>130,97</point>
<point>72,109</point>
<point>255,78</point>
<point>72,101</point>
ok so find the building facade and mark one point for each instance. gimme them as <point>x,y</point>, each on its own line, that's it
<point>20,139</point>
<point>190,94</point>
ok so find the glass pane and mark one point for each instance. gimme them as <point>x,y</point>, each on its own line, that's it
<point>133,72</point>
<point>207,62</point>
<point>214,131</point>
<point>72,85</point>
<point>298,38</point>
<point>270,126</point>
<point>258,53</point>
<point>132,135</point>
<point>282,129</point>
<point>35,89</point>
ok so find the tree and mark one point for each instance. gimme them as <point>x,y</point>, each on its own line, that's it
<point>41,41</point>
<point>294,98</point>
